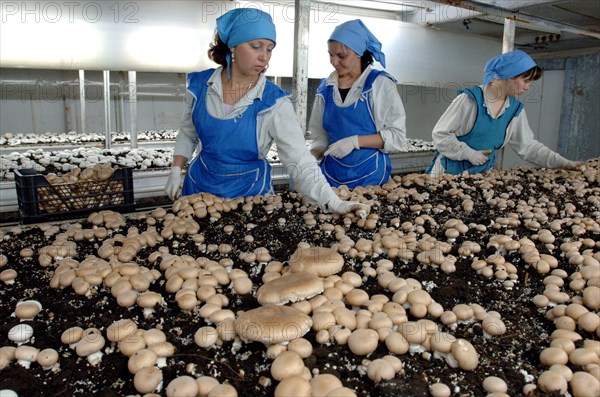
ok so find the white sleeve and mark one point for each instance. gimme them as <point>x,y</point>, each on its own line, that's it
<point>522,141</point>
<point>457,120</point>
<point>316,132</point>
<point>282,124</point>
<point>187,137</point>
<point>389,115</point>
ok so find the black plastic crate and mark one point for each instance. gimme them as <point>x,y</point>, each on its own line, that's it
<point>40,201</point>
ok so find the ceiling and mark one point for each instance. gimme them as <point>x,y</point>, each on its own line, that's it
<point>541,26</point>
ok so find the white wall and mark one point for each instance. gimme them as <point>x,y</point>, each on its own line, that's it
<point>174,36</point>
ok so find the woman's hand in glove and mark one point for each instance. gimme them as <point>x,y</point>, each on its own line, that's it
<point>343,207</point>
<point>477,157</point>
<point>173,183</point>
<point>343,147</point>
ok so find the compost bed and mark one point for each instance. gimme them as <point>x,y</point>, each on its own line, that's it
<point>512,356</point>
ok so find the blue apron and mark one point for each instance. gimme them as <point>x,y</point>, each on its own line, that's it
<point>487,134</point>
<point>361,167</point>
<point>229,164</point>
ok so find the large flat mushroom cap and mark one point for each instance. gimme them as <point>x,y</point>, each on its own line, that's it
<point>291,287</point>
<point>321,261</point>
<point>272,324</point>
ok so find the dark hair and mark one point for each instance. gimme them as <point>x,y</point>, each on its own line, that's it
<point>366,59</point>
<point>533,74</point>
<point>218,51</point>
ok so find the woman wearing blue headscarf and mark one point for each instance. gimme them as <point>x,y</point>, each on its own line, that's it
<point>233,115</point>
<point>484,118</point>
<point>357,116</point>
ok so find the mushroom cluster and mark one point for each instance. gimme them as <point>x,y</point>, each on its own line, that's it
<point>278,271</point>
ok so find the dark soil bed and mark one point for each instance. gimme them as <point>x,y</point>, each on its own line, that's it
<point>513,356</point>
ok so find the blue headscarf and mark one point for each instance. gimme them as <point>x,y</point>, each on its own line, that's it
<point>355,35</point>
<point>244,24</point>
<point>507,65</point>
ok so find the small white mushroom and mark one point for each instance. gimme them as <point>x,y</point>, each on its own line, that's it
<point>20,333</point>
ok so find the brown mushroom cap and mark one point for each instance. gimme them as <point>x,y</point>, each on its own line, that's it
<point>291,287</point>
<point>584,384</point>
<point>293,386</point>
<point>363,341</point>
<point>272,324</point>
<point>380,369</point>
<point>25,355</point>
<point>182,386</point>
<point>286,365</point>
<point>47,358</point>
<point>552,381</point>
<point>222,390</point>
<point>321,261</point>
<point>91,342</point>
<point>148,379</point>
<point>324,383</point>
<point>28,309</point>
<point>120,329</point>
<point>465,354</point>
<point>71,335</point>
<point>141,359</point>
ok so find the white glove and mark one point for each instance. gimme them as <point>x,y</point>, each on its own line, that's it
<point>172,186</point>
<point>477,157</point>
<point>574,166</point>
<point>342,207</point>
<point>343,147</point>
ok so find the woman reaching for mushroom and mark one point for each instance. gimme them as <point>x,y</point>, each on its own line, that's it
<point>485,118</point>
<point>233,114</point>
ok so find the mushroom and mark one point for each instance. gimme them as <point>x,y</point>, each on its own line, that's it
<point>363,342</point>
<point>162,350</point>
<point>206,337</point>
<point>380,369</point>
<point>182,386</point>
<point>323,384</point>
<point>8,276</point>
<point>132,343</point>
<point>141,359</point>
<point>318,260</point>
<point>293,386</point>
<point>583,385</point>
<point>272,324</point>
<point>291,287</point>
<point>90,346</point>
<point>20,333</point>
<point>222,390</point>
<point>47,358</point>
<point>71,336</point>
<point>286,365</point>
<point>465,355</point>
<point>27,310</point>
<point>148,380</point>
<point>7,354</point>
<point>552,381</point>
<point>493,384</point>
<point>440,390</point>
<point>120,329</point>
<point>205,385</point>
<point>25,355</point>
